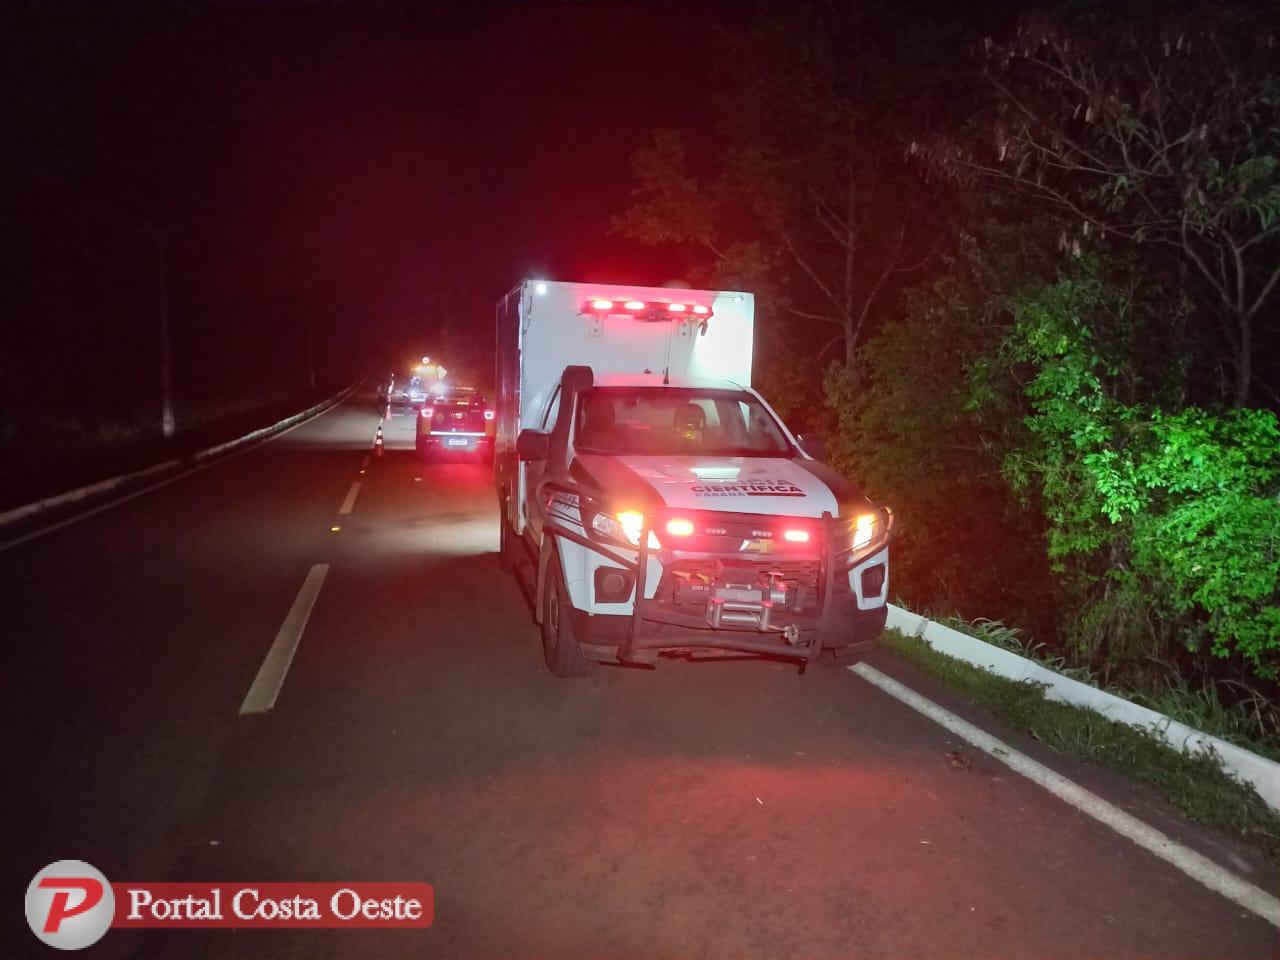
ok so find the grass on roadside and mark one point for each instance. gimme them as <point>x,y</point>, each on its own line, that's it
<point>1251,721</point>
<point>1195,784</point>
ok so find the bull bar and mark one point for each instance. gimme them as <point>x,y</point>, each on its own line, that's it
<point>655,625</point>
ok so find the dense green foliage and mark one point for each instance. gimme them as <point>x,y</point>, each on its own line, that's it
<point>1167,524</point>
<point>1069,402</point>
<point>911,432</point>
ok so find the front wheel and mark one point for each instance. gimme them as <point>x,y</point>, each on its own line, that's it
<point>559,645</point>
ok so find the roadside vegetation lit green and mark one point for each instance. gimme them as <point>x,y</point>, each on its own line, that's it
<point>1029,288</point>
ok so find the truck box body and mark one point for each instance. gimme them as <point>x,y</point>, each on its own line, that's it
<point>541,333</point>
<point>661,502</point>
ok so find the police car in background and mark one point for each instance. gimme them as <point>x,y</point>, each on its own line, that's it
<point>455,420</point>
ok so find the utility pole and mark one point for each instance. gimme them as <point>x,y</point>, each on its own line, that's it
<point>166,361</point>
<point>311,351</point>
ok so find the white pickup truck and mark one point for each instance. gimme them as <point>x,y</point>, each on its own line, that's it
<point>655,502</point>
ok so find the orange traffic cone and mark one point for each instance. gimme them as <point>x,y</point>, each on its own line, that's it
<point>377,443</point>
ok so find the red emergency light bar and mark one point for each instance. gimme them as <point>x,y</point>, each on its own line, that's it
<point>644,310</point>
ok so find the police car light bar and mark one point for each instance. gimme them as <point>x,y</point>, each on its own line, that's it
<point>641,310</point>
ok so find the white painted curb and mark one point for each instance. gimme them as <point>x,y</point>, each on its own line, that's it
<point>1259,772</point>
<point>105,486</point>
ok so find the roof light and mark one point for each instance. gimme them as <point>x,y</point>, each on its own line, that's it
<point>796,536</point>
<point>680,527</point>
<point>540,288</point>
<point>634,304</point>
<point>601,304</point>
<point>676,307</point>
<point>700,309</point>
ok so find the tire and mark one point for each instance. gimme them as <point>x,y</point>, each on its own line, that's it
<point>559,645</point>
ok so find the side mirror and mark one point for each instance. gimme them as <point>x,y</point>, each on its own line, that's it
<point>813,446</point>
<point>533,445</point>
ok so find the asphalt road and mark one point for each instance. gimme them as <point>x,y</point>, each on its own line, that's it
<point>724,809</point>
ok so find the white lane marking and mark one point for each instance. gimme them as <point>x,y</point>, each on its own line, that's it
<point>45,531</point>
<point>1201,869</point>
<point>349,503</point>
<point>266,685</point>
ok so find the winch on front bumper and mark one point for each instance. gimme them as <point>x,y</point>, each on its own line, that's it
<point>713,597</point>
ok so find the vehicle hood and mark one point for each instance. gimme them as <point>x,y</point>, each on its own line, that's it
<point>781,486</point>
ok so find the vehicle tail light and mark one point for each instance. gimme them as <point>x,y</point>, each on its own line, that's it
<point>428,411</point>
<point>489,414</point>
<point>680,528</point>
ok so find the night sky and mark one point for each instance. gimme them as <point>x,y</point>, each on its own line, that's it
<point>373,162</point>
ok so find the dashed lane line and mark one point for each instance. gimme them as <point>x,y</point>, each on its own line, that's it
<point>270,679</point>
<point>349,503</point>
<point>1200,869</point>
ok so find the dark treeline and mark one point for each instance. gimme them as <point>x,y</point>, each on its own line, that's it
<point>158,153</point>
<point>1024,273</point>
<point>81,343</point>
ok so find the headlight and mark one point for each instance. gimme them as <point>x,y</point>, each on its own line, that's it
<point>625,525</point>
<point>868,529</point>
<point>864,526</point>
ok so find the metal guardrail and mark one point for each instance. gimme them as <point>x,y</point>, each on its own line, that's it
<point>91,493</point>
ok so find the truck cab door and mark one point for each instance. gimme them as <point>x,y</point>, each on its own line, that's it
<point>535,470</point>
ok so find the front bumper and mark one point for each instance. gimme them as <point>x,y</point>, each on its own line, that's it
<point>834,597</point>
<point>604,636</point>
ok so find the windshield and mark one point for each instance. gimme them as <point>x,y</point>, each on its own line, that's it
<point>671,420</point>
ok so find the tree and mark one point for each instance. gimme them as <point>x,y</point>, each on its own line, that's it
<point>1166,525</point>
<point>1166,137</point>
<point>809,191</point>
<point>927,415</point>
